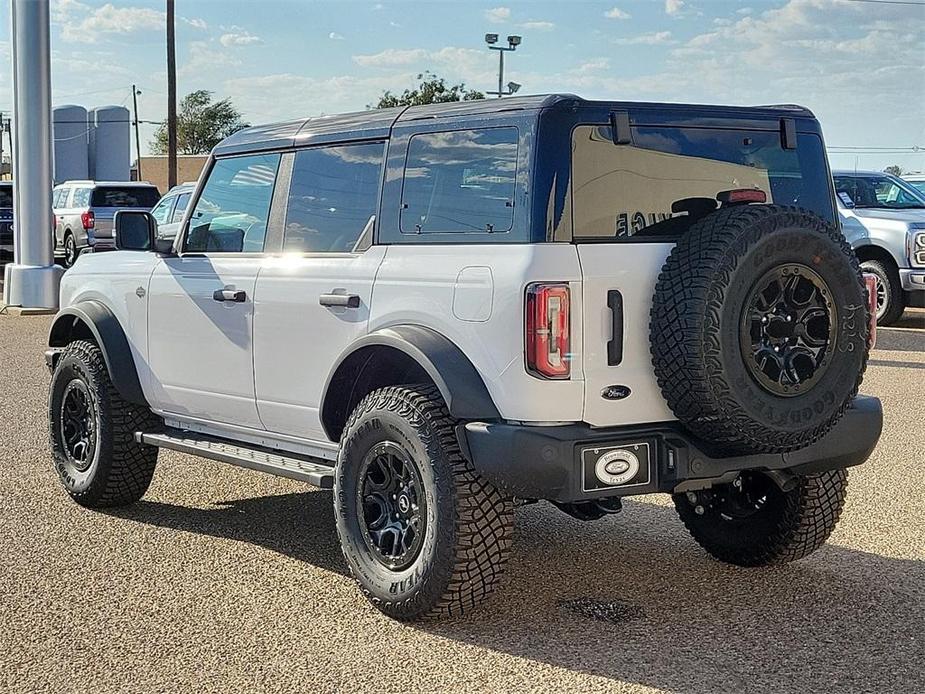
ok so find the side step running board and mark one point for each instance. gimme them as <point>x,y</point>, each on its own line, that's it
<point>311,470</point>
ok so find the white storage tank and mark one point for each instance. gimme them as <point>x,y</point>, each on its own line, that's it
<point>110,142</point>
<point>71,143</point>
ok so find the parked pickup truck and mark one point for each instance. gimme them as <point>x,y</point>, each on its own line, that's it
<point>444,311</point>
<point>883,217</point>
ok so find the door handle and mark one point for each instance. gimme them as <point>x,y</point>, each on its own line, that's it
<point>236,295</point>
<point>345,300</point>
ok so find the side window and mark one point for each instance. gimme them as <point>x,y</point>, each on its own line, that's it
<point>231,214</point>
<point>460,181</point>
<point>182,202</point>
<point>81,197</point>
<point>332,197</point>
<point>56,198</point>
<point>161,211</point>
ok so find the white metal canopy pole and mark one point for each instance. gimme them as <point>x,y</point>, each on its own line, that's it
<point>32,280</point>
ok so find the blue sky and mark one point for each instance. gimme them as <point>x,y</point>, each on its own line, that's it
<point>860,65</point>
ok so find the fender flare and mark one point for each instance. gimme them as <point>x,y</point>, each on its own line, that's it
<point>448,367</point>
<point>109,335</point>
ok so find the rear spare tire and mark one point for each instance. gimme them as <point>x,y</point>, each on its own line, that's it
<point>759,328</point>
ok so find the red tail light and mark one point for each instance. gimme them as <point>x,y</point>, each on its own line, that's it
<point>87,220</point>
<point>870,282</point>
<point>548,340</point>
<point>742,195</point>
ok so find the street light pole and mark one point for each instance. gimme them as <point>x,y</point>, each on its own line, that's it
<point>512,43</point>
<point>135,94</point>
<point>32,280</point>
<point>171,97</point>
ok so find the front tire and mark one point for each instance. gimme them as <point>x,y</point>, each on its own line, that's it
<point>753,522</point>
<point>890,304</point>
<point>423,534</point>
<point>93,432</point>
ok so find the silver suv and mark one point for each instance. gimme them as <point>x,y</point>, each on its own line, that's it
<point>883,217</point>
<point>169,211</point>
<point>84,211</point>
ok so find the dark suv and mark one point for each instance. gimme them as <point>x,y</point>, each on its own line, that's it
<point>6,218</point>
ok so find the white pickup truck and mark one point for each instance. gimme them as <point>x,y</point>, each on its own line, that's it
<point>441,312</point>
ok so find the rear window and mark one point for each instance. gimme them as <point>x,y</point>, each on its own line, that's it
<point>461,180</point>
<point>125,196</point>
<point>659,185</point>
<point>6,196</point>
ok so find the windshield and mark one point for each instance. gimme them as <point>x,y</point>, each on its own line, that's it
<point>918,185</point>
<point>877,192</point>
<point>6,196</point>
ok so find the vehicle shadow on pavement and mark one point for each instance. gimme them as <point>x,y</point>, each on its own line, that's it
<point>299,525</point>
<point>633,599</point>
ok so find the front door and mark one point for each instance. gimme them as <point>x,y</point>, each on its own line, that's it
<point>314,299</point>
<point>201,302</point>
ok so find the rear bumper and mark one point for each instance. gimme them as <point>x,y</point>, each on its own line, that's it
<point>558,462</point>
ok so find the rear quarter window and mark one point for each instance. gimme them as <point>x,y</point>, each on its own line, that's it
<point>461,180</point>
<point>642,190</point>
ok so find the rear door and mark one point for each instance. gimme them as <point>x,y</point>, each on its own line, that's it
<point>630,204</point>
<point>314,299</point>
<point>201,302</point>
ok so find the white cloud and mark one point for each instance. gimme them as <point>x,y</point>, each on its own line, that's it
<point>537,25</point>
<point>617,13</point>
<point>395,25</point>
<point>239,37</point>
<point>391,57</point>
<point>378,6</point>
<point>674,6</point>
<point>195,22</point>
<point>594,65</point>
<point>498,15</point>
<point>203,57</point>
<point>334,36</point>
<point>107,19</point>
<point>651,39</point>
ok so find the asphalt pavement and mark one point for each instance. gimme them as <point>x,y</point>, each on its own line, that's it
<point>226,580</point>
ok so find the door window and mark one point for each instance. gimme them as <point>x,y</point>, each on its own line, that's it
<point>460,181</point>
<point>332,197</point>
<point>231,214</point>
<point>161,211</point>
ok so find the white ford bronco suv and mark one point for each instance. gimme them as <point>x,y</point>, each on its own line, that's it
<point>444,311</point>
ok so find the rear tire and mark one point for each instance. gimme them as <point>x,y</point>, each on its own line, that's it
<point>756,523</point>
<point>70,250</point>
<point>890,300</point>
<point>92,432</point>
<point>423,534</point>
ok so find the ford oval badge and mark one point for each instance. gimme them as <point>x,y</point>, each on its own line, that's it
<point>616,392</point>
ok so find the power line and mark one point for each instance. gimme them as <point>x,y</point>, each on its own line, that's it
<point>891,2</point>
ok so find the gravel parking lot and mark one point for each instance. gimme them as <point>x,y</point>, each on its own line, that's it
<point>227,580</point>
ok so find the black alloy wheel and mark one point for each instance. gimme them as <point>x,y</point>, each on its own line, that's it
<point>78,425</point>
<point>787,329</point>
<point>392,505</point>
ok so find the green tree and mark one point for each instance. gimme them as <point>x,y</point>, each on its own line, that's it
<point>431,90</point>
<point>895,170</point>
<point>201,124</point>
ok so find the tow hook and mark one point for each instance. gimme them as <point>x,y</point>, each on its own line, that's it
<point>591,510</point>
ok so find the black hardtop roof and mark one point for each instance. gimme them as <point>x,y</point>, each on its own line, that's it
<point>377,123</point>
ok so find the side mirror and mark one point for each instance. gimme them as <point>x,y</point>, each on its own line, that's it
<point>135,230</point>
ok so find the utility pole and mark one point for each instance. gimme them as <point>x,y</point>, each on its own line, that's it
<point>135,94</point>
<point>171,97</point>
<point>31,280</point>
<point>512,43</point>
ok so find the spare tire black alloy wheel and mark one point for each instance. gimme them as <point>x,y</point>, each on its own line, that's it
<point>759,329</point>
<point>786,333</point>
<point>392,504</point>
